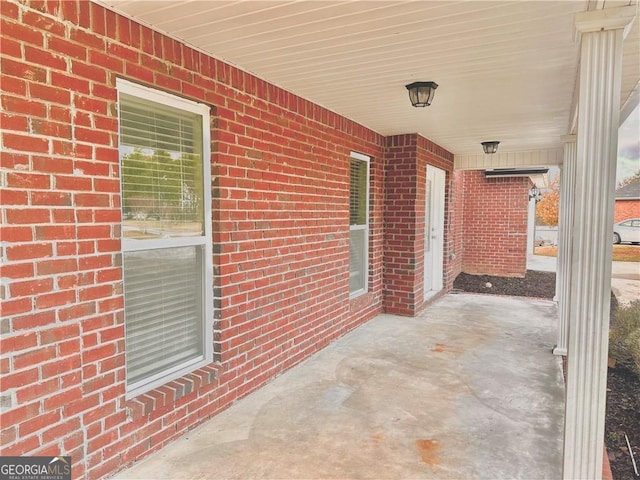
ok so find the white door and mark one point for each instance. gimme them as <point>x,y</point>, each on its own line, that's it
<point>434,231</point>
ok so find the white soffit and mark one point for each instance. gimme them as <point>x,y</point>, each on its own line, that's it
<point>536,158</point>
<point>631,69</point>
<point>506,69</point>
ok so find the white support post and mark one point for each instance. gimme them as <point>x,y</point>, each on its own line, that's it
<point>562,229</point>
<point>565,227</point>
<point>531,227</point>
<point>598,120</point>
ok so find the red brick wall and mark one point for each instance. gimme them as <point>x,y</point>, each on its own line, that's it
<point>626,209</point>
<point>281,271</point>
<point>495,212</point>
<point>407,158</point>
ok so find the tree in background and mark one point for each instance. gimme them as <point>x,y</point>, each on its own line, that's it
<point>159,185</point>
<point>629,180</point>
<point>549,205</point>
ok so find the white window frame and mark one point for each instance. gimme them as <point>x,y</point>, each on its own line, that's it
<point>365,226</point>
<point>132,245</point>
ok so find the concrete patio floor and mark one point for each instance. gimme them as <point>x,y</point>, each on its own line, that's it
<point>468,389</point>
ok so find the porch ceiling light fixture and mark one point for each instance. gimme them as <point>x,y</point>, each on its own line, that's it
<point>490,147</point>
<point>421,93</point>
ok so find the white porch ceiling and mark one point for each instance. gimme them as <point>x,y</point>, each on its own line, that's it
<point>506,69</point>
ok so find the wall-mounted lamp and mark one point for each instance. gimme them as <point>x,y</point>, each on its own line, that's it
<point>490,147</point>
<point>534,194</point>
<point>421,93</point>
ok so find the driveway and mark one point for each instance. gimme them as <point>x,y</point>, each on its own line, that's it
<point>625,276</point>
<point>468,389</point>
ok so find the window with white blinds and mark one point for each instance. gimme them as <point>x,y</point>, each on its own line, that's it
<point>359,224</point>
<point>163,309</point>
<point>166,232</point>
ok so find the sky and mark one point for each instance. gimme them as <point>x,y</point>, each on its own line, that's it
<point>628,149</point>
<point>629,146</point>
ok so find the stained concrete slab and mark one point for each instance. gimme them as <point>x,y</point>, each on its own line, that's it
<point>468,389</point>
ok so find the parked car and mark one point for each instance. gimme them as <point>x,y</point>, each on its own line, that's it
<point>627,231</point>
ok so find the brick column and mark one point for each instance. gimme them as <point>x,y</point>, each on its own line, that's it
<point>401,226</point>
<point>406,160</point>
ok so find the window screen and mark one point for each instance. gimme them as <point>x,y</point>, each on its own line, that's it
<point>162,186</point>
<point>358,193</point>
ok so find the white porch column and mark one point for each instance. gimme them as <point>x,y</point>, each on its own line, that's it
<point>599,105</point>
<point>562,228</point>
<point>531,227</point>
<point>565,227</point>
